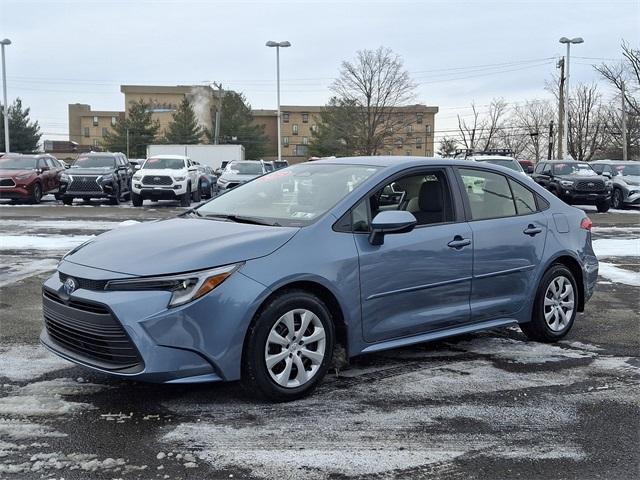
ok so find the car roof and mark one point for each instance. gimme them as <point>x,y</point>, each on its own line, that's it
<point>482,158</point>
<point>609,161</point>
<point>176,157</point>
<point>101,154</point>
<point>394,161</point>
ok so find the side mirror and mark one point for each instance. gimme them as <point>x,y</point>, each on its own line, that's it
<point>137,166</point>
<point>606,174</point>
<point>389,222</point>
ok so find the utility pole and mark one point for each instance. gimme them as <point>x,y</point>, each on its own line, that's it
<point>218,112</point>
<point>550,151</point>
<point>5,110</point>
<point>623,114</point>
<point>560,155</point>
<point>127,142</point>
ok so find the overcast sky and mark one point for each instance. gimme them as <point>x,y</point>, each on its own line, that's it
<point>457,51</point>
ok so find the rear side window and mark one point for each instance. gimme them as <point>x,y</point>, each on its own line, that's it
<point>598,167</point>
<point>524,198</point>
<point>488,193</point>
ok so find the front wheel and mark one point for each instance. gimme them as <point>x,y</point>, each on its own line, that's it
<point>185,200</point>
<point>555,306</point>
<point>67,200</point>
<point>136,199</point>
<point>197,195</point>
<point>288,348</point>
<point>115,199</point>
<point>36,194</point>
<point>603,206</point>
<point>617,200</point>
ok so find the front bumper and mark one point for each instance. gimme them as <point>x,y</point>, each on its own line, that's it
<point>633,198</point>
<point>19,192</point>
<point>201,341</point>
<point>103,190</point>
<point>573,197</point>
<point>159,192</point>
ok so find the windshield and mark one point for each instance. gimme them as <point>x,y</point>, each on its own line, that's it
<point>627,169</point>
<point>294,196</point>
<point>573,169</point>
<point>17,163</point>
<point>512,164</point>
<point>245,168</point>
<point>160,163</point>
<point>94,162</point>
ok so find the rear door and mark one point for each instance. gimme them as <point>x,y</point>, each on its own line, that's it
<point>509,233</point>
<point>418,281</point>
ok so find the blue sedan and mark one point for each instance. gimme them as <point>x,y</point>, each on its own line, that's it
<point>262,283</point>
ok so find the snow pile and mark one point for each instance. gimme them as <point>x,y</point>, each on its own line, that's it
<point>617,247</point>
<point>44,462</point>
<point>42,242</point>
<point>619,275</point>
<point>22,430</point>
<point>26,362</point>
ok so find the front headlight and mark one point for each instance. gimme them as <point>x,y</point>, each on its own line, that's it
<point>608,183</point>
<point>566,183</point>
<point>65,178</point>
<point>185,287</point>
<point>137,176</point>
<point>179,179</point>
<point>106,178</point>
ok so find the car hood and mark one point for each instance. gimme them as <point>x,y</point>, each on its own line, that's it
<point>576,178</point>
<point>236,177</point>
<point>88,171</point>
<point>179,245</point>
<point>171,172</point>
<point>631,179</point>
<point>15,173</point>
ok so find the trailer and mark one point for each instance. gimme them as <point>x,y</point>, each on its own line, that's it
<point>211,155</point>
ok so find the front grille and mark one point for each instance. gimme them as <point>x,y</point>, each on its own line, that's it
<point>84,184</point>
<point>232,185</point>
<point>89,331</point>
<point>85,283</point>
<point>7,182</point>
<point>156,180</point>
<point>590,185</point>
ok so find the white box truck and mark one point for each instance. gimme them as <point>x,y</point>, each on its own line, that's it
<point>211,155</point>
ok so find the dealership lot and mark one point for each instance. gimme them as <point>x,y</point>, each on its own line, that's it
<point>490,405</point>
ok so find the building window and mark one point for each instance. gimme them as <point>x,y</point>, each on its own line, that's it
<point>294,129</point>
<point>428,129</point>
<point>285,141</point>
<point>314,128</point>
<point>305,140</point>
<point>104,131</point>
<point>86,131</point>
<point>114,120</point>
<point>305,118</point>
<point>398,142</point>
<point>389,152</point>
<point>419,117</point>
<point>95,121</point>
<point>285,117</point>
<point>408,153</point>
<point>96,143</point>
<point>419,142</point>
<point>300,150</point>
<point>410,128</point>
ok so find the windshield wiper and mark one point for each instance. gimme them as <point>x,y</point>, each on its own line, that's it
<point>241,219</point>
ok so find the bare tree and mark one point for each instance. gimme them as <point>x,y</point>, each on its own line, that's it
<point>534,117</point>
<point>376,83</point>
<point>625,72</point>
<point>448,147</point>
<point>514,140</point>
<point>587,120</point>
<point>481,132</point>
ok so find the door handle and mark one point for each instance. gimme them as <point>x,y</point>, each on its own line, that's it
<point>458,242</point>
<point>532,230</point>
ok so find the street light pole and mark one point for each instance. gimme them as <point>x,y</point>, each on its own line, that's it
<point>565,120</point>
<point>5,111</point>
<point>277,45</point>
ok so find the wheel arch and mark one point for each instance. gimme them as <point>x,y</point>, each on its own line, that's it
<point>574,266</point>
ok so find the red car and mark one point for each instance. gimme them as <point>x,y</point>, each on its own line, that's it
<point>29,177</point>
<point>527,165</point>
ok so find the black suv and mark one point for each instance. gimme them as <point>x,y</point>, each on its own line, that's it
<point>97,175</point>
<point>575,183</point>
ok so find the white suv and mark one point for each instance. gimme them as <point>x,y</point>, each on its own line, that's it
<point>166,177</point>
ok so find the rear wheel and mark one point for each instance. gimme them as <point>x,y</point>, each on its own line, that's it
<point>288,348</point>
<point>197,194</point>
<point>67,200</point>
<point>185,200</point>
<point>603,206</point>
<point>136,199</point>
<point>36,194</point>
<point>555,306</point>
<point>617,200</point>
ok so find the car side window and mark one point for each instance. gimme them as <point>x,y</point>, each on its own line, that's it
<point>488,193</point>
<point>525,199</point>
<point>360,217</point>
<point>50,163</point>
<point>546,169</point>
<point>608,169</point>
<point>598,167</point>
<point>539,168</point>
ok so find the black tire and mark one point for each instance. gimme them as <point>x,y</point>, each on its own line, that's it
<point>185,200</point>
<point>58,196</point>
<point>603,206</point>
<point>538,329</point>
<point>617,199</point>
<point>86,200</point>
<point>115,199</point>
<point>136,199</point>
<point>67,200</point>
<point>36,194</point>
<point>197,194</point>
<point>256,378</point>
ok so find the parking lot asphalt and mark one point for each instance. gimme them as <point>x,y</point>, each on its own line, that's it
<point>485,406</point>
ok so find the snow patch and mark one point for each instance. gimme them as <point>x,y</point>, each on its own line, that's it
<point>26,362</point>
<point>20,271</point>
<point>617,247</point>
<point>42,242</point>
<point>619,275</point>
<point>22,430</point>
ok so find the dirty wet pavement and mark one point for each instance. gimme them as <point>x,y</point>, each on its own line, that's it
<point>489,405</point>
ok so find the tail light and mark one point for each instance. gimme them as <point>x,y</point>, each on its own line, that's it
<point>586,223</point>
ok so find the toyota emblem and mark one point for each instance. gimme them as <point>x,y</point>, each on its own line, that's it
<point>590,184</point>
<point>156,179</point>
<point>69,286</point>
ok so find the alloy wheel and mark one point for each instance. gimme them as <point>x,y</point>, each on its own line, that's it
<point>295,348</point>
<point>617,199</point>
<point>559,303</point>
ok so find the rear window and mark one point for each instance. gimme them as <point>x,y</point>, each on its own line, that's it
<point>17,163</point>
<point>160,163</point>
<point>245,168</point>
<point>95,162</point>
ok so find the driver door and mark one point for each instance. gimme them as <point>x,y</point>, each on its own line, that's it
<point>419,281</point>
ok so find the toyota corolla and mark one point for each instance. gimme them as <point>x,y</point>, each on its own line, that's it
<point>262,284</point>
